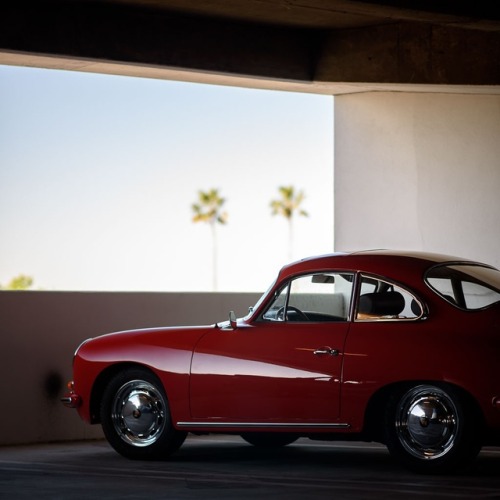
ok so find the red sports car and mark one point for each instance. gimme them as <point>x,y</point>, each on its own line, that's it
<point>398,348</point>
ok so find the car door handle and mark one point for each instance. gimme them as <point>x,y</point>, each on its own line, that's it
<point>326,350</point>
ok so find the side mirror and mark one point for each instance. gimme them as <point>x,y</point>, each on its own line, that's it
<point>232,320</point>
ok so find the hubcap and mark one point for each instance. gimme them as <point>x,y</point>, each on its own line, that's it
<point>427,423</point>
<point>138,413</point>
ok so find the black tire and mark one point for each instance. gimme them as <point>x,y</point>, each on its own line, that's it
<point>269,439</point>
<point>432,429</point>
<point>135,416</point>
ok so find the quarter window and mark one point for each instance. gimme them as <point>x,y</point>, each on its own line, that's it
<point>381,300</point>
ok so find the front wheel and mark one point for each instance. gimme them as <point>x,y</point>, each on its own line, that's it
<point>432,429</point>
<point>135,416</point>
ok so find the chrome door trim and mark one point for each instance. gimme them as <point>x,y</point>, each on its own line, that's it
<point>260,425</point>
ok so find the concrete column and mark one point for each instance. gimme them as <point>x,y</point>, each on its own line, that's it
<point>418,171</point>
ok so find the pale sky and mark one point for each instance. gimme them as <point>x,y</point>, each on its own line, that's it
<point>98,174</point>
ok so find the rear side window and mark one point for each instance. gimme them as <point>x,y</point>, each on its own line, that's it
<point>381,300</point>
<point>468,286</point>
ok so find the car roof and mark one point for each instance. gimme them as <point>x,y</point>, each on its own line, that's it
<point>391,263</point>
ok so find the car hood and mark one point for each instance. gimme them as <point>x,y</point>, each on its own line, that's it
<point>184,337</point>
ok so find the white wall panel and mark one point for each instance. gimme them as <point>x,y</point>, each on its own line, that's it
<point>418,171</point>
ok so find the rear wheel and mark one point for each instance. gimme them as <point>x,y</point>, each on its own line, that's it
<point>432,429</point>
<point>269,439</point>
<point>135,416</point>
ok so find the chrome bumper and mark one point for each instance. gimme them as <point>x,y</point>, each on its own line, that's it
<point>71,400</point>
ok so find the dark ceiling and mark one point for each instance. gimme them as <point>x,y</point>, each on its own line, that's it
<point>336,14</point>
<point>321,45</point>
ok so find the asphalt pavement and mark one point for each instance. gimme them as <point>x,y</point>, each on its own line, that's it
<point>225,467</point>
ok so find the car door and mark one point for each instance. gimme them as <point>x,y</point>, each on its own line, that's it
<point>389,341</point>
<point>284,367</point>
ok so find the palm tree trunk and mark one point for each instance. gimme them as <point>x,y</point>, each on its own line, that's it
<point>214,258</point>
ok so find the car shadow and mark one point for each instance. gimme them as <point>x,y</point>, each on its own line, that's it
<point>310,455</point>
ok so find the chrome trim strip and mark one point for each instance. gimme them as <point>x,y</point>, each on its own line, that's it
<point>252,425</point>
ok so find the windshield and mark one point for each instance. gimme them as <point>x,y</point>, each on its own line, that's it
<point>259,302</point>
<point>468,286</point>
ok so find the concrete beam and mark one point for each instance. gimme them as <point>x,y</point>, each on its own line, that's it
<point>117,33</point>
<point>411,53</point>
<point>140,36</point>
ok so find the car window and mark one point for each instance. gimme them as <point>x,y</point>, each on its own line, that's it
<point>469,287</point>
<point>382,300</point>
<point>317,297</point>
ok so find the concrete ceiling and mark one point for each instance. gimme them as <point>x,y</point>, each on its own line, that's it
<point>322,46</point>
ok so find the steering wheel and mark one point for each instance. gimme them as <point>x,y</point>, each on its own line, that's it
<point>281,313</point>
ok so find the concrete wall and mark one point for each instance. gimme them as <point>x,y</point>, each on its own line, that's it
<point>418,171</point>
<point>39,332</point>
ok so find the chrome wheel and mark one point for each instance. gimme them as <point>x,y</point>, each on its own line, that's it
<point>135,416</point>
<point>427,423</point>
<point>433,428</point>
<point>138,413</point>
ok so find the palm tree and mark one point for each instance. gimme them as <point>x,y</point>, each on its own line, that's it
<point>287,206</point>
<point>20,282</point>
<point>208,209</point>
